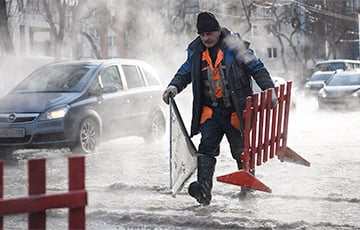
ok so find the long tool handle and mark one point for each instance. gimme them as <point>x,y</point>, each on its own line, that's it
<point>170,139</point>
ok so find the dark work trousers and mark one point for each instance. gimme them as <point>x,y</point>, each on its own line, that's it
<point>212,132</point>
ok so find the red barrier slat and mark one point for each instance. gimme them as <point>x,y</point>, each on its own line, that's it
<point>261,128</point>
<point>37,185</point>
<point>267,124</point>
<point>253,118</point>
<point>77,182</point>
<point>273,128</point>
<point>287,111</point>
<point>246,155</point>
<point>280,119</point>
<point>38,203</point>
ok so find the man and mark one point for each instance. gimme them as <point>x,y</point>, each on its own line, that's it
<point>219,65</point>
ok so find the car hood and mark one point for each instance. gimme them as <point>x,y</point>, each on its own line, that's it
<point>34,102</point>
<point>341,90</point>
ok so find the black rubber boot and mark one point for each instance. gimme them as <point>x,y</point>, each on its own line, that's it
<point>240,166</point>
<point>201,189</point>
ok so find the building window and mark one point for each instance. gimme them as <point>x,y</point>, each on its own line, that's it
<point>254,30</point>
<point>272,52</point>
<point>268,13</point>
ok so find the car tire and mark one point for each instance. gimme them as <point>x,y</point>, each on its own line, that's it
<point>321,106</point>
<point>88,137</point>
<point>156,130</point>
<point>6,153</point>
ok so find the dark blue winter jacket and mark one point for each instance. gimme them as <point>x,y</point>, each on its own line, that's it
<point>241,64</point>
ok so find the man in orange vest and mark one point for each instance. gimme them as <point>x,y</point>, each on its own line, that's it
<point>220,66</point>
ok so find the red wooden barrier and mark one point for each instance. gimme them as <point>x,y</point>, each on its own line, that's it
<point>265,135</point>
<point>38,201</point>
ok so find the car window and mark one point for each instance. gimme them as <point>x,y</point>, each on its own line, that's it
<point>150,77</point>
<point>111,76</point>
<point>338,80</point>
<point>133,76</point>
<point>331,66</point>
<point>56,78</point>
<point>320,77</point>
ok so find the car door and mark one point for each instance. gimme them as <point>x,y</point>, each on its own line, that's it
<point>115,105</point>
<point>138,95</point>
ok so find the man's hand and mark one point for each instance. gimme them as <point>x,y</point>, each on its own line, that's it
<point>170,91</point>
<point>274,99</point>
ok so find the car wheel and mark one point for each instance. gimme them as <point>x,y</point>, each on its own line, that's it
<point>156,130</point>
<point>6,153</point>
<point>88,136</point>
<point>321,106</point>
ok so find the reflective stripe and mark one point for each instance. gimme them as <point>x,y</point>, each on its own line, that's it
<point>206,114</point>
<point>216,82</point>
<point>234,120</point>
<point>211,84</point>
<point>224,85</point>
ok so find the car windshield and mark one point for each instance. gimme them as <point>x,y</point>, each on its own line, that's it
<point>320,76</point>
<point>57,78</point>
<point>339,80</point>
<point>330,66</point>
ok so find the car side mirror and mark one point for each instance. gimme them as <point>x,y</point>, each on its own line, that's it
<point>110,89</point>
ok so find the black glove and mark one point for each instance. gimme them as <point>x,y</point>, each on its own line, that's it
<point>170,91</point>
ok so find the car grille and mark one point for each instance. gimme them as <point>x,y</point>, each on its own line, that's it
<point>53,137</point>
<point>15,140</point>
<point>17,117</point>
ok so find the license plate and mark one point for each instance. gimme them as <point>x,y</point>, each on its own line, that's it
<point>12,132</point>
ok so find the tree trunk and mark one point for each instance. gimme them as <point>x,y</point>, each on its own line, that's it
<point>6,44</point>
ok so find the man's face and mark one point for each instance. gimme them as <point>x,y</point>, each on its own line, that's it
<point>209,39</point>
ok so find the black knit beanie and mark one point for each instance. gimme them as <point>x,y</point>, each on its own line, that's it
<point>206,22</point>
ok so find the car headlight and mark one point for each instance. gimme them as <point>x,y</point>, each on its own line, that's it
<point>54,113</point>
<point>322,93</point>
<point>356,94</point>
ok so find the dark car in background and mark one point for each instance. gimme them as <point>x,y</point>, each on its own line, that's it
<point>342,90</point>
<point>77,103</point>
<point>316,82</point>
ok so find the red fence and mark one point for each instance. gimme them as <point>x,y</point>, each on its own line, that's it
<point>265,135</point>
<point>38,201</point>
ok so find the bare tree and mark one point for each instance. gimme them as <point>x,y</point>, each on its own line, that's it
<point>328,23</point>
<point>56,20</point>
<point>6,45</point>
<point>284,16</point>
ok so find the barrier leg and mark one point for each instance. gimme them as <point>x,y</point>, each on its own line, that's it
<point>245,179</point>
<point>289,155</point>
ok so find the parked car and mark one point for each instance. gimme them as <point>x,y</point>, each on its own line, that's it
<point>342,90</point>
<point>76,104</point>
<point>277,82</point>
<point>316,82</point>
<point>335,64</point>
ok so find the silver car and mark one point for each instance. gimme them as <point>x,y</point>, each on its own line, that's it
<point>342,90</point>
<point>77,104</point>
<point>316,82</point>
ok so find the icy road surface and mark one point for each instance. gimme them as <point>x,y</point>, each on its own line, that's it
<point>128,183</point>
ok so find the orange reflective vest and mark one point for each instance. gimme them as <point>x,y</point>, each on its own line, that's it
<point>216,85</point>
